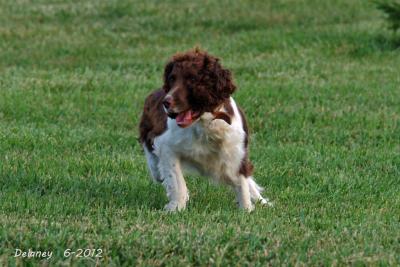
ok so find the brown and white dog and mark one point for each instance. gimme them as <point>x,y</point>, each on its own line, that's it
<point>193,123</point>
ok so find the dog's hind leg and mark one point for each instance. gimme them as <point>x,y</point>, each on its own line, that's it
<point>255,193</point>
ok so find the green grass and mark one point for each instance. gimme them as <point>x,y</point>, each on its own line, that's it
<point>320,84</point>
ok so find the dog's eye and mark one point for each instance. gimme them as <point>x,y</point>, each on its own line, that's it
<point>171,78</point>
<point>191,78</point>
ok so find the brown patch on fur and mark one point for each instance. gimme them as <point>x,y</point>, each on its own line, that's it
<point>205,82</point>
<point>246,167</point>
<point>154,119</point>
<point>226,114</point>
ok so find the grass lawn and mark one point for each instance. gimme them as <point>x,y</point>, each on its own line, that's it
<point>319,82</point>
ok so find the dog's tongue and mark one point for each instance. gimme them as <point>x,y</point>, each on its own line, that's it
<point>184,119</point>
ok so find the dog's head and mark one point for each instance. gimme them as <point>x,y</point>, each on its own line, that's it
<point>194,83</point>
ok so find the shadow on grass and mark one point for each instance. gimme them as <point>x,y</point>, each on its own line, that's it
<point>379,43</point>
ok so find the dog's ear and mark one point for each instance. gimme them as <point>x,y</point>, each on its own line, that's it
<point>225,85</point>
<point>167,70</point>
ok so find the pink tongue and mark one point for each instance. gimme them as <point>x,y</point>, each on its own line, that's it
<point>184,119</point>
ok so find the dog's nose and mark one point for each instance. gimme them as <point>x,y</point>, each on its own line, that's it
<point>167,102</point>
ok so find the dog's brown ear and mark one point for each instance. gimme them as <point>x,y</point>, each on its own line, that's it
<point>167,70</point>
<point>225,85</point>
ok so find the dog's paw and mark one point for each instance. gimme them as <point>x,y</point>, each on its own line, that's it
<point>249,208</point>
<point>174,206</point>
<point>265,202</point>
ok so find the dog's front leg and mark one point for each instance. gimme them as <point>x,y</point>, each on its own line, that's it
<point>173,181</point>
<point>243,193</point>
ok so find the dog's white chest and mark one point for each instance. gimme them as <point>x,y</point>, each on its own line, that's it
<point>209,146</point>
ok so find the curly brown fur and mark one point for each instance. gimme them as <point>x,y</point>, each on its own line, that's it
<point>208,83</point>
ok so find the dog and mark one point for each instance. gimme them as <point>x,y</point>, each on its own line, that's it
<point>193,124</point>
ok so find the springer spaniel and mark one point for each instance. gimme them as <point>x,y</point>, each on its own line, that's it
<point>193,123</point>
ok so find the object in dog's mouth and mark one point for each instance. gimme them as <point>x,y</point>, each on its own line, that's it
<point>186,118</point>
